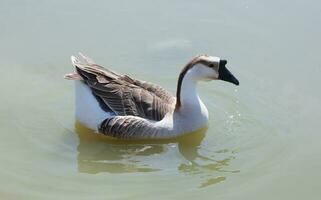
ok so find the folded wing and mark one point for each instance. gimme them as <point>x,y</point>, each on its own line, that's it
<point>123,94</point>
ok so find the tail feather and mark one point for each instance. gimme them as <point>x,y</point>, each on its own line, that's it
<point>75,61</point>
<point>86,68</point>
<point>73,76</point>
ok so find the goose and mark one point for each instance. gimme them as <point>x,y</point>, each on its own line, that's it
<point>126,108</point>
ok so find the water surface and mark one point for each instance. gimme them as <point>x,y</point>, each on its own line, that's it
<point>263,141</point>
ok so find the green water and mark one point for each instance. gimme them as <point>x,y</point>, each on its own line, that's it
<point>263,141</point>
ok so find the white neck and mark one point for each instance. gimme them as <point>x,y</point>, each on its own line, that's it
<point>189,96</point>
<point>192,112</point>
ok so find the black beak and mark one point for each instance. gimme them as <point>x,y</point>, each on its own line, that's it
<point>225,75</point>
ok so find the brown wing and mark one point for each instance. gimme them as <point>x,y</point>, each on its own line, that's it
<point>125,95</point>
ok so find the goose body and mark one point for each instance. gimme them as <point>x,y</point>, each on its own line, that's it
<point>123,107</point>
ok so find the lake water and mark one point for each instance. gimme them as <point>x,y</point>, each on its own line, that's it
<point>263,141</point>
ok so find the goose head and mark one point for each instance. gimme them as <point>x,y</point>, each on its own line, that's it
<point>207,68</point>
<point>201,68</point>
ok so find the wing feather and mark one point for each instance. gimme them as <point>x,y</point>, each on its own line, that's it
<point>128,127</point>
<point>123,94</point>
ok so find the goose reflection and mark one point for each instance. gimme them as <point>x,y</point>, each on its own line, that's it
<point>203,165</point>
<point>100,153</point>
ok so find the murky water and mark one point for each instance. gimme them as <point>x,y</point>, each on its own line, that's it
<point>263,141</point>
